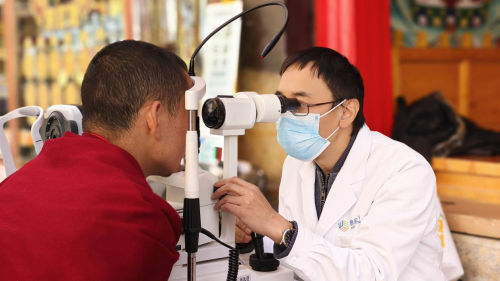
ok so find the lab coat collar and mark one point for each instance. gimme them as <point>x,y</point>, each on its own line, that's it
<point>341,196</point>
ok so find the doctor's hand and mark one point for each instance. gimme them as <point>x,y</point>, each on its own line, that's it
<point>245,201</point>
<point>242,234</point>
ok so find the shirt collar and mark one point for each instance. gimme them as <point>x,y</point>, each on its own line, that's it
<point>340,162</point>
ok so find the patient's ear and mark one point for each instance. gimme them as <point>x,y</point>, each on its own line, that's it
<point>350,109</point>
<point>153,118</point>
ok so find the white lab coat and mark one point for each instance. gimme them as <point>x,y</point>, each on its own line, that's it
<point>379,221</point>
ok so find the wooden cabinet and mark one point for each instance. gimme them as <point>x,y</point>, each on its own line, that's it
<point>468,78</point>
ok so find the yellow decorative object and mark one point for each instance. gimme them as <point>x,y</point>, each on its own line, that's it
<point>437,22</point>
<point>41,59</point>
<point>466,40</point>
<point>487,40</point>
<point>74,15</point>
<point>421,39</point>
<point>100,35</point>
<point>60,17</point>
<point>43,96</point>
<point>83,60</point>
<point>29,94</point>
<point>115,7</point>
<point>62,79</point>
<point>30,98</point>
<point>83,57</point>
<point>464,23</point>
<point>397,39</point>
<point>28,60</point>
<point>54,58</point>
<point>444,40</point>
<point>101,39</point>
<point>50,19</point>
<point>57,97</point>
<point>69,57</point>
<point>72,94</point>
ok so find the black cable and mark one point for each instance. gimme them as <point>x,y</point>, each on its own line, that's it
<point>266,50</point>
<point>210,235</point>
<point>233,266</point>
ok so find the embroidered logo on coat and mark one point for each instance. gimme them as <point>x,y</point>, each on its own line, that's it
<point>344,225</point>
<point>355,221</point>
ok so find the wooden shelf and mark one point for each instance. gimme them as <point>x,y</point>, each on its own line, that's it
<point>451,55</point>
<point>472,165</point>
<point>472,217</point>
<point>469,178</point>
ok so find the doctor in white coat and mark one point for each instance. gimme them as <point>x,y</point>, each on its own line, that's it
<point>353,204</point>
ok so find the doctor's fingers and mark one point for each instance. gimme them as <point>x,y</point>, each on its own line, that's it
<point>243,227</point>
<point>231,199</point>
<point>236,180</point>
<point>228,188</point>
<point>241,236</point>
<point>231,208</point>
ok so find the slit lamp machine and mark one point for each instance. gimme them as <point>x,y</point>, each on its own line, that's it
<point>189,192</point>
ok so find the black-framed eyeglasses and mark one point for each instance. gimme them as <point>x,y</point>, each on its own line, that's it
<point>303,110</point>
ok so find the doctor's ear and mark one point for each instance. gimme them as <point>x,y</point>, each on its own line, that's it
<point>350,109</point>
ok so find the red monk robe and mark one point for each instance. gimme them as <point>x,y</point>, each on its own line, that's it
<point>82,210</point>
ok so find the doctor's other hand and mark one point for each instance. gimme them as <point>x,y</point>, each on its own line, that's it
<point>242,234</point>
<point>245,201</point>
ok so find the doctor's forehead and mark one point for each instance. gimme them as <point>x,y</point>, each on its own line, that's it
<point>303,84</point>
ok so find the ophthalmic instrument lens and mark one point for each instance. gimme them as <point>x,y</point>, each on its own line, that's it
<point>213,113</point>
<point>214,110</point>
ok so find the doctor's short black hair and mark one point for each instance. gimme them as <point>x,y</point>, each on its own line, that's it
<point>342,78</point>
<point>122,77</point>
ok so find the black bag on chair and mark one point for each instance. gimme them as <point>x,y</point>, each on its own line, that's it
<point>431,127</point>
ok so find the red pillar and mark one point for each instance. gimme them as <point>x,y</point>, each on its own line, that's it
<point>360,30</point>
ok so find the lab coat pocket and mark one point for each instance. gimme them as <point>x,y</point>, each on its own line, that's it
<point>345,240</point>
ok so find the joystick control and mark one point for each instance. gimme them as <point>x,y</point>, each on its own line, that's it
<point>261,261</point>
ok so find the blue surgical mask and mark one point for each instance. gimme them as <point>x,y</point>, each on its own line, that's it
<point>299,135</point>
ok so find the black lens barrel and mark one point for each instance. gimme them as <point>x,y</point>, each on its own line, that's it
<point>213,113</point>
<point>288,104</point>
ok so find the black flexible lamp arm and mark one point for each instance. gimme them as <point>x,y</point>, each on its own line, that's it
<point>266,50</point>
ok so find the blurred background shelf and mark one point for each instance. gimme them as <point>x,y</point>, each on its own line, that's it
<point>472,216</point>
<point>449,54</point>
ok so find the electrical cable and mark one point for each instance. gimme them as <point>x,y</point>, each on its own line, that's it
<point>233,266</point>
<point>266,50</point>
